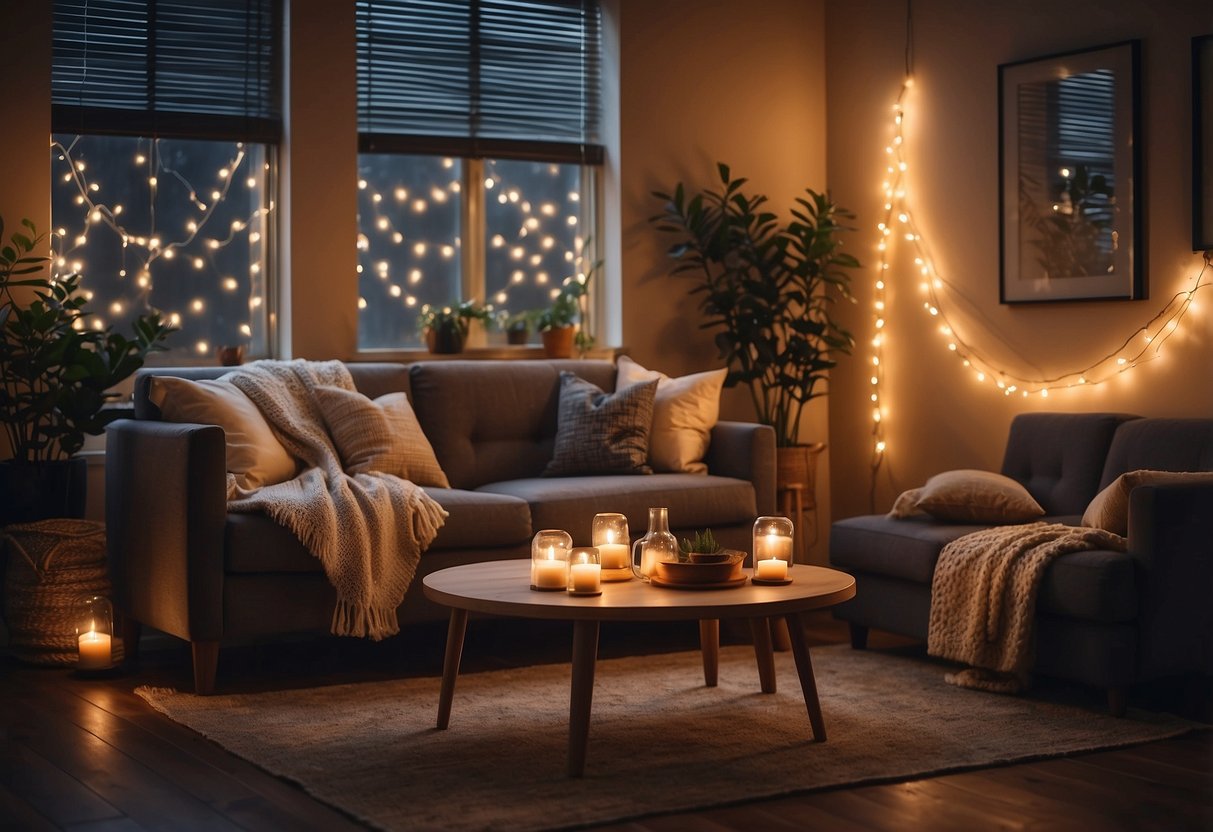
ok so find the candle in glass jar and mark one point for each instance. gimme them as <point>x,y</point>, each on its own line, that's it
<point>585,577</point>
<point>771,569</point>
<point>770,546</point>
<point>551,573</point>
<point>614,555</point>
<point>94,651</point>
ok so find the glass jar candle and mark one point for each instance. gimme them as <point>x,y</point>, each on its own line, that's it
<point>585,571</point>
<point>773,538</point>
<point>609,535</point>
<point>657,545</point>
<point>550,560</point>
<point>94,633</point>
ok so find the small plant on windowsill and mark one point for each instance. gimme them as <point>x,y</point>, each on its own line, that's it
<point>564,325</point>
<point>445,328</point>
<point>56,373</point>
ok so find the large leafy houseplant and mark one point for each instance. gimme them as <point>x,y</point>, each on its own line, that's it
<point>769,288</point>
<point>56,370</point>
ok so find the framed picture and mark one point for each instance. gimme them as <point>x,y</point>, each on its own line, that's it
<point>1071,176</point>
<point>1202,143</point>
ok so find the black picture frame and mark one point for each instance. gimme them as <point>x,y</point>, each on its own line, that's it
<point>1202,143</point>
<point>1071,176</point>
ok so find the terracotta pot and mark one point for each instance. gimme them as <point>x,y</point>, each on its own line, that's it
<point>558,342</point>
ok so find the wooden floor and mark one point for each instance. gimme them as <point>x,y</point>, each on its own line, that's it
<point>87,754</point>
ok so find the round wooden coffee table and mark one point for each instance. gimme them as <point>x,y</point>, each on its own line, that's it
<point>503,588</point>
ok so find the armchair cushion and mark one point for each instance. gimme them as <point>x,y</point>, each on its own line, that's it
<point>1110,508</point>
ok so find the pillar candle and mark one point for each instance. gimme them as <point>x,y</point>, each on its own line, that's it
<point>94,651</point>
<point>614,555</point>
<point>772,569</point>
<point>585,577</point>
<point>550,574</point>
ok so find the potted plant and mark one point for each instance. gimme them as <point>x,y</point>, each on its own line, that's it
<point>563,324</point>
<point>445,328</point>
<point>517,326</point>
<point>55,376</point>
<point>769,288</point>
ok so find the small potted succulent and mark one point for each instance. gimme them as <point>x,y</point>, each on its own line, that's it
<point>702,561</point>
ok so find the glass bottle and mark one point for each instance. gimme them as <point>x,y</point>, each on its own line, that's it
<point>656,546</point>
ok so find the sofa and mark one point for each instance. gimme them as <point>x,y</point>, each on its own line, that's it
<point>1107,619</point>
<point>182,564</point>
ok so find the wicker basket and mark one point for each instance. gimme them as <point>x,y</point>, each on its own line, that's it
<point>51,566</point>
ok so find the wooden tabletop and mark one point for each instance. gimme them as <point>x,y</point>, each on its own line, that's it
<point>503,588</point>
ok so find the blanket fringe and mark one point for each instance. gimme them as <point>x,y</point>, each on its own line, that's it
<point>375,623</point>
<point>977,678</point>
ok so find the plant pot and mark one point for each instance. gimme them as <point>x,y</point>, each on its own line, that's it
<point>796,466</point>
<point>32,491</point>
<point>517,337</point>
<point>444,341</point>
<point>558,342</point>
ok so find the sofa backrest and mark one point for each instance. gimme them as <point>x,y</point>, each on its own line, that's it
<point>494,420</point>
<point>1160,445</point>
<point>1059,457</point>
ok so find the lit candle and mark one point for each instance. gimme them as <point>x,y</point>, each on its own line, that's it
<point>94,651</point>
<point>550,573</point>
<point>614,555</point>
<point>772,569</point>
<point>773,546</point>
<point>586,577</point>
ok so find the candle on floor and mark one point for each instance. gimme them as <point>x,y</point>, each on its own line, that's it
<point>771,569</point>
<point>94,651</point>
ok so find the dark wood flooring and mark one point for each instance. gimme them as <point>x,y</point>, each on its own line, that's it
<point>87,754</point>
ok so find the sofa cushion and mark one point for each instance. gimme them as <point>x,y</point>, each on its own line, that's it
<point>601,433</point>
<point>255,457</point>
<point>1094,586</point>
<point>253,543</point>
<point>570,503</point>
<point>684,413</point>
<point>494,420</point>
<point>1110,508</point>
<point>480,519</point>
<point>971,496</point>
<point>905,548</point>
<point>1058,457</point>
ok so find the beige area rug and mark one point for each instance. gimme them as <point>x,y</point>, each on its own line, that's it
<point>659,740</point>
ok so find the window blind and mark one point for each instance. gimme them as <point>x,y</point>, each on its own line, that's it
<point>183,68</point>
<point>505,78</point>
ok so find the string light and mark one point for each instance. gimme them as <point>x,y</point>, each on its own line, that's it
<point>1143,345</point>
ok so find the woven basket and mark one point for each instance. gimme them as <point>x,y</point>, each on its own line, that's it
<point>52,566</point>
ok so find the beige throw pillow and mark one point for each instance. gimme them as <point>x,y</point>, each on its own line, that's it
<point>254,455</point>
<point>907,505</point>
<point>684,412</point>
<point>1110,508</point>
<point>381,435</point>
<point>969,496</point>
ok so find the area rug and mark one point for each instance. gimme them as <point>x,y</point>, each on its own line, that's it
<point>659,740</point>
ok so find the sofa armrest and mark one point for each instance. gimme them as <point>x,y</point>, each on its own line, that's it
<point>165,508</point>
<point>1171,538</point>
<point>746,450</point>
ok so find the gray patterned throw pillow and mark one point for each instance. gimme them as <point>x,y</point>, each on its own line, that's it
<point>601,433</point>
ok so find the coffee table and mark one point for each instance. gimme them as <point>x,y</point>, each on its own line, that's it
<point>502,588</point>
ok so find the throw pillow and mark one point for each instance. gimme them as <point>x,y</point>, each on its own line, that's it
<point>380,435</point>
<point>968,496</point>
<point>600,433</point>
<point>685,410</point>
<point>1110,508</point>
<point>254,455</point>
<point>907,505</point>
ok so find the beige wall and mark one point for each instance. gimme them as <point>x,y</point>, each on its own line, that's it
<point>703,81</point>
<point>940,418</point>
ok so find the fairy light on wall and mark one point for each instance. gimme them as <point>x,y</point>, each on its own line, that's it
<point>897,223</point>
<point>197,242</point>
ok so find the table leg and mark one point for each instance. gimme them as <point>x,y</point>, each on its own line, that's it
<point>709,645</point>
<point>808,684</point>
<point>450,664</point>
<point>779,635</point>
<point>761,628</point>
<point>585,654</point>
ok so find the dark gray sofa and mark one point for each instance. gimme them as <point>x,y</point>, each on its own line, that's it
<point>1103,618</point>
<point>181,564</point>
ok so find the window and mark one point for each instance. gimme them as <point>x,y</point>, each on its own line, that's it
<point>166,115</point>
<point>478,131</point>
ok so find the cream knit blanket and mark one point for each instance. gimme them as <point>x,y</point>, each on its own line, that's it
<point>367,530</point>
<point>983,598</point>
